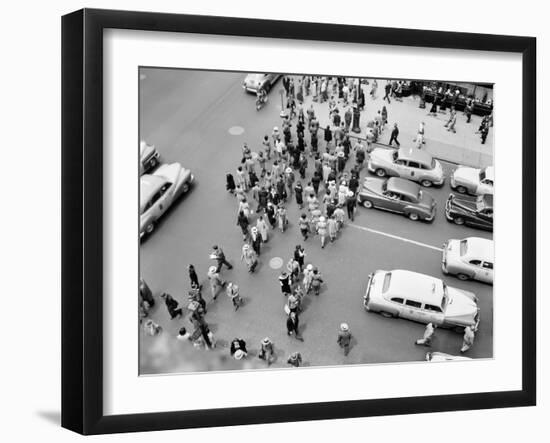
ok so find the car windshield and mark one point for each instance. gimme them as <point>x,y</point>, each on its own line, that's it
<point>445,299</point>
<point>395,155</point>
<point>482,175</point>
<point>387,279</point>
<point>463,247</point>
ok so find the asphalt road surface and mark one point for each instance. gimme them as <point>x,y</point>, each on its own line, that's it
<point>201,120</point>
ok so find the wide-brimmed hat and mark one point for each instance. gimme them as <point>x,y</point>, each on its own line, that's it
<point>266,340</point>
<point>254,229</point>
<point>288,170</point>
<point>309,267</point>
<point>344,327</point>
<point>212,269</point>
<point>341,154</point>
<point>322,218</point>
<point>238,354</point>
<point>246,246</point>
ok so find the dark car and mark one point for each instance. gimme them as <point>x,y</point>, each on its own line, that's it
<point>475,212</point>
<point>397,195</point>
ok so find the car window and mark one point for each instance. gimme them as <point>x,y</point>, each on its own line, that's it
<point>487,182</point>
<point>487,212</point>
<point>463,247</point>
<point>432,308</point>
<point>413,304</point>
<point>387,280</point>
<point>475,262</point>
<point>487,265</point>
<point>397,300</point>
<point>414,165</point>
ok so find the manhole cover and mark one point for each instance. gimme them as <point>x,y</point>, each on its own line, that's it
<point>236,130</point>
<point>276,263</point>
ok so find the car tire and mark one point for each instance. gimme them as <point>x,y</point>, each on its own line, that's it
<point>386,314</point>
<point>368,204</point>
<point>426,183</point>
<point>380,172</point>
<point>413,216</point>
<point>463,277</point>
<point>184,188</point>
<point>458,329</point>
<point>461,190</point>
<point>458,220</point>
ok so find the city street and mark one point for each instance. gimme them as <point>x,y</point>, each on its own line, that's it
<point>201,119</point>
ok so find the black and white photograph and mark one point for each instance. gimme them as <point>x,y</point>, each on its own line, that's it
<point>294,220</point>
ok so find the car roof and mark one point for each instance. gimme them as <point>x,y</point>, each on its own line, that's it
<point>481,248</point>
<point>414,286</point>
<point>149,186</point>
<point>402,186</point>
<point>415,155</point>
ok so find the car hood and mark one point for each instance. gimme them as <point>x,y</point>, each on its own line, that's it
<point>372,184</point>
<point>426,199</point>
<point>382,154</point>
<point>466,175</point>
<point>466,204</point>
<point>170,172</point>
<point>462,306</point>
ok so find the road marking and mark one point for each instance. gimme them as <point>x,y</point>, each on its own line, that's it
<point>236,130</point>
<point>276,263</point>
<point>396,237</point>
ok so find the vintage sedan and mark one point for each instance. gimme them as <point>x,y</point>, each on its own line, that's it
<point>471,258</point>
<point>253,82</point>
<point>473,181</point>
<point>158,191</point>
<point>420,298</point>
<point>410,163</point>
<point>476,212</point>
<point>442,356</point>
<point>149,157</point>
<point>397,195</point>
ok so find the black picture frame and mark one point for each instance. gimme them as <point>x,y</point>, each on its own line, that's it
<point>82,220</point>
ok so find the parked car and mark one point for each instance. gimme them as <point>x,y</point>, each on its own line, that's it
<point>469,258</point>
<point>158,191</point>
<point>441,356</point>
<point>149,157</point>
<point>397,195</point>
<point>420,298</point>
<point>410,163</point>
<point>253,82</point>
<point>476,212</point>
<point>473,181</point>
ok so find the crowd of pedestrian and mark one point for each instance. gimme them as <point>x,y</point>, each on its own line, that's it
<point>318,170</point>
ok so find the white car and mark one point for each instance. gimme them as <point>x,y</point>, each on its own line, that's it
<point>420,298</point>
<point>148,156</point>
<point>410,163</point>
<point>441,356</point>
<point>158,191</point>
<point>473,181</point>
<point>471,258</point>
<point>253,82</point>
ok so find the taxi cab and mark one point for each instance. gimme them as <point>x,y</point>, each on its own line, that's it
<point>421,298</point>
<point>471,258</point>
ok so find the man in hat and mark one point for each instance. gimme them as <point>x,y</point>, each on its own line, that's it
<point>426,340</point>
<point>351,204</point>
<point>292,325</point>
<point>266,351</point>
<point>299,256</point>
<point>295,359</point>
<point>284,280</point>
<point>193,276</point>
<point>394,134</point>
<point>238,348</point>
<point>216,282</point>
<point>303,224</point>
<point>344,338</point>
<point>145,293</point>
<point>256,240</point>
<point>232,291</point>
<point>218,255</point>
<point>171,305</point>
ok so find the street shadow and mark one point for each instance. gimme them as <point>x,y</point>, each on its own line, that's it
<point>53,417</point>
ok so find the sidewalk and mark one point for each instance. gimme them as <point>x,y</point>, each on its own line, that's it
<point>463,147</point>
